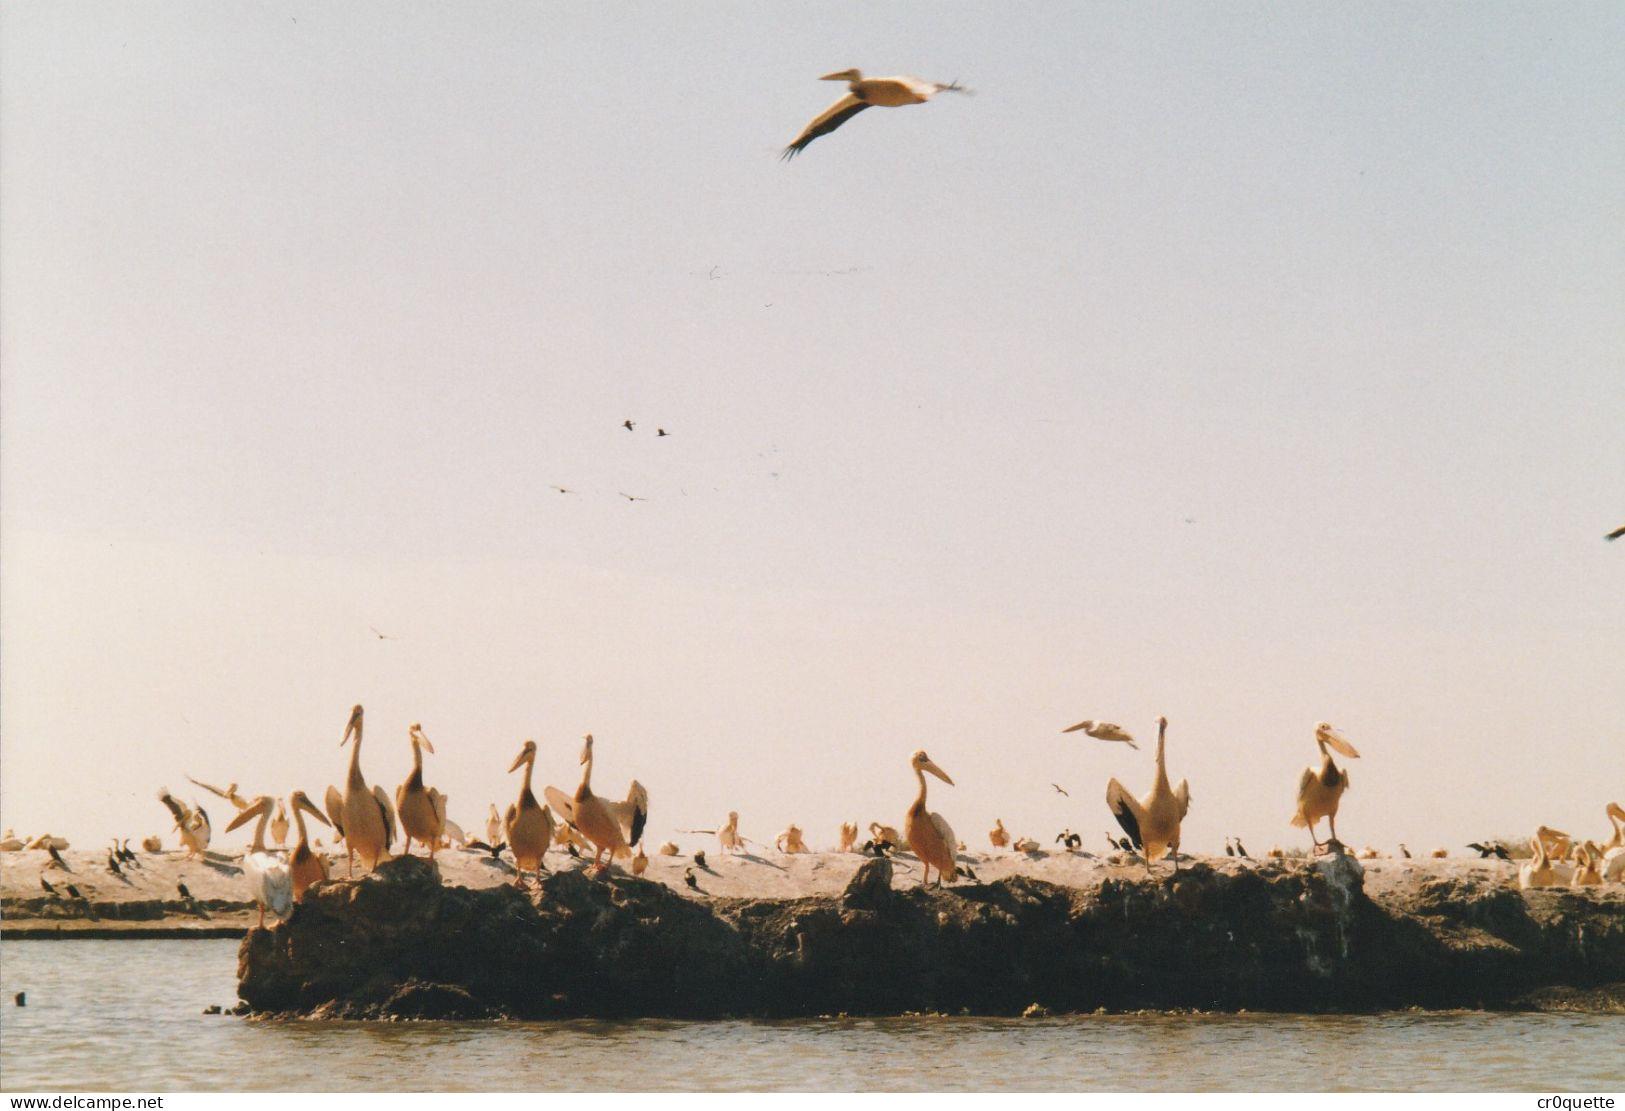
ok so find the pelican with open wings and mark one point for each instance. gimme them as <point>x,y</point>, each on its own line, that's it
<point>1319,791</point>
<point>612,827</point>
<point>1152,823</point>
<point>867,92</point>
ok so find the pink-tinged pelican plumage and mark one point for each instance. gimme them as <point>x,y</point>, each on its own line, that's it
<point>305,866</point>
<point>866,92</point>
<point>929,835</point>
<point>612,827</point>
<point>422,809</point>
<point>1320,790</point>
<point>529,824</point>
<point>368,819</point>
<point>1152,823</point>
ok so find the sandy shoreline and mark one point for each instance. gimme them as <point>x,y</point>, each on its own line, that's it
<point>146,900</point>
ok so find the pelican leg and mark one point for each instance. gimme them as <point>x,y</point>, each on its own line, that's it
<point>408,850</point>
<point>1331,822</point>
<point>262,916</point>
<point>350,871</point>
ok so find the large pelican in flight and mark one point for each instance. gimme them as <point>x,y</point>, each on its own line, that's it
<point>865,92</point>
<point>929,834</point>
<point>1103,731</point>
<point>1152,823</point>
<point>1320,791</point>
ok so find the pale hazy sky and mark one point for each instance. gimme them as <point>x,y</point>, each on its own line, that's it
<point>1249,364</point>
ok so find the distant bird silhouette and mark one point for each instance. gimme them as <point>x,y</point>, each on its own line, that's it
<point>570,847</point>
<point>1229,849</point>
<point>46,884</point>
<point>1122,843</point>
<point>688,878</point>
<point>661,432</point>
<point>562,489</point>
<point>380,636</point>
<point>494,850</point>
<point>629,497</point>
<point>1616,534</point>
<point>1403,851</point>
<point>73,892</point>
<point>1059,788</point>
<point>965,871</point>
<point>1482,850</point>
<point>56,859</point>
<point>699,859</point>
<point>112,864</point>
<point>1241,850</point>
<point>185,894</point>
<point>628,425</point>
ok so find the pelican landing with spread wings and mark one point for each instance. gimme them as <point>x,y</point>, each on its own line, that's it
<point>1319,791</point>
<point>1152,823</point>
<point>867,92</point>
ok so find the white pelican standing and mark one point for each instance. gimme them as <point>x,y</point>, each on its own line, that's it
<point>612,827</point>
<point>364,815</point>
<point>1541,870</point>
<point>269,881</point>
<point>529,824</point>
<point>929,835</point>
<point>1319,791</point>
<point>422,809</point>
<point>867,92</point>
<point>1152,823</point>
<point>1103,731</point>
<point>493,826</point>
<point>193,824</point>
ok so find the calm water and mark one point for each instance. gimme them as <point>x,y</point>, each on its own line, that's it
<point>127,1015</point>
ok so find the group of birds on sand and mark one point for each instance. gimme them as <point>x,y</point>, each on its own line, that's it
<point>366,819</point>
<point>1557,859</point>
<point>369,822</point>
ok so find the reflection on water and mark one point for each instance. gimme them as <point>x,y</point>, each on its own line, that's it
<point>127,1015</point>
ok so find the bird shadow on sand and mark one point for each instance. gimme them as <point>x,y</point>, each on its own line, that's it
<point>752,858</point>
<point>221,864</point>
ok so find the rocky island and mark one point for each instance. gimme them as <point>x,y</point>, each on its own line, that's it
<point>1292,936</point>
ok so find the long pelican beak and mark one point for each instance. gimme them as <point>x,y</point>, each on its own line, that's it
<point>262,805</point>
<point>936,771</point>
<point>1335,739</point>
<point>844,75</point>
<point>586,749</point>
<point>300,802</point>
<point>524,754</point>
<point>354,725</point>
<point>422,738</point>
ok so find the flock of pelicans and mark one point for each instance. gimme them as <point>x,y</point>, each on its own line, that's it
<point>368,822</point>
